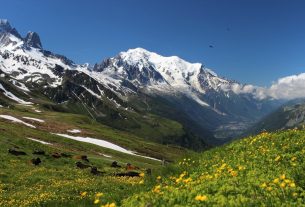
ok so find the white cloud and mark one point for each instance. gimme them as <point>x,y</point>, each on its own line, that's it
<point>240,89</point>
<point>289,87</point>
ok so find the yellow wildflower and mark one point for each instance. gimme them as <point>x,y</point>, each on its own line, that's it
<point>264,185</point>
<point>282,185</point>
<point>283,177</point>
<point>287,181</point>
<point>201,198</point>
<point>241,167</point>
<point>183,174</point>
<point>233,173</point>
<point>292,185</point>
<point>223,166</point>
<point>277,158</point>
<point>96,201</point>
<point>157,189</point>
<point>276,180</point>
<point>142,174</point>
<point>83,194</point>
<point>109,205</point>
<point>99,194</point>
<point>159,177</point>
<point>178,180</point>
<point>187,180</point>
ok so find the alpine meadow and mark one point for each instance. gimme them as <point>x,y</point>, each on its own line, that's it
<point>98,107</point>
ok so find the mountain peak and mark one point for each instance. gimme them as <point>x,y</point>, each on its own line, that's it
<point>32,39</point>
<point>6,28</point>
<point>142,55</point>
<point>135,55</point>
<point>5,25</point>
<point>138,50</point>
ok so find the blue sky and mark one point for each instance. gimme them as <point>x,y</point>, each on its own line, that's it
<point>255,41</point>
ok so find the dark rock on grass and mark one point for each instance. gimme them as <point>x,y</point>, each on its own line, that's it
<point>85,158</point>
<point>115,164</point>
<point>39,152</point>
<point>81,157</point>
<point>131,167</point>
<point>16,152</point>
<point>82,165</point>
<point>128,174</point>
<point>95,171</point>
<point>56,155</point>
<point>36,161</point>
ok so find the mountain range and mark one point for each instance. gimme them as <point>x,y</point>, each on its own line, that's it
<point>163,99</point>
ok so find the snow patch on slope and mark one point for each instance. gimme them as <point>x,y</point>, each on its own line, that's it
<point>34,119</point>
<point>20,85</point>
<point>74,131</point>
<point>103,143</point>
<point>13,119</point>
<point>37,140</point>
<point>13,97</point>
<point>91,92</point>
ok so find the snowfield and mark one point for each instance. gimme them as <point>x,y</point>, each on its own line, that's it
<point>13,97</point>
<point>37,140</point>
<point>74,131</point>
<point>103,143</point>
<point>34,119</point>
<point>13,119</point>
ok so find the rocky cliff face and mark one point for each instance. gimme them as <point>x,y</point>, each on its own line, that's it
<point>32,39</point>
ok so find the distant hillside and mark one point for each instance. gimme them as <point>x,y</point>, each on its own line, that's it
<point>288,116</point>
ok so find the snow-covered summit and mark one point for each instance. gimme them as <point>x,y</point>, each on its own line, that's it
<point>144,68</point>
<point>142,57</point>
<point>174,70</point>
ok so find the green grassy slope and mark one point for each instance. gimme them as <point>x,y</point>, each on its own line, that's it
<point>264,170</point>
<point>61,122</point>
<point>57,182</point>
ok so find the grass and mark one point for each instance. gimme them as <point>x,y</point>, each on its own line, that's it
<point>57,182</point>
<point>61,122</point>
<point>264,170</point>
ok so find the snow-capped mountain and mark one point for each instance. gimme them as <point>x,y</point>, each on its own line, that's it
<point>24,59</point>
<point>207,99</point>
<point>159,74</point>
<point>144,68</point>
<point>135,81</point>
